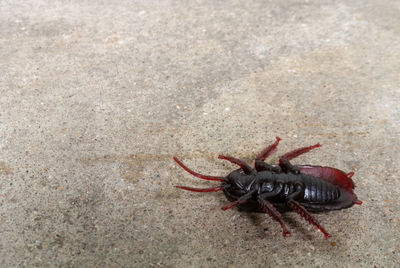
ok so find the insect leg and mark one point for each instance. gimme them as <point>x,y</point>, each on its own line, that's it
<point>299,209</point>
<point>268,150</point>
<point>245,167</point>
<point>261,166</point>
<point>271,210</point>
<point>241,200</point>
<point>284,160</point>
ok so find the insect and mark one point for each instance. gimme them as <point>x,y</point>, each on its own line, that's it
<point>285,187</point>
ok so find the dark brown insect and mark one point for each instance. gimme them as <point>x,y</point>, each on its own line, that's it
<point>273,188</point>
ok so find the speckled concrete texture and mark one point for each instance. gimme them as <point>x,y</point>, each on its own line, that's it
<point>97,96</point>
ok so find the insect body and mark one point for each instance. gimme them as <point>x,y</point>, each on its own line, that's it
<point>274,188</point>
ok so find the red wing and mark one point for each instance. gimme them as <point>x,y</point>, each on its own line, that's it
<point>332,175</point>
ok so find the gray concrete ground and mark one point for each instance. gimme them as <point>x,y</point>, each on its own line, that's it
<point>97,96</point>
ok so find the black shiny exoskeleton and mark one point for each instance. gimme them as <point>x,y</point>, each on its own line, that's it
<point>274,188</point>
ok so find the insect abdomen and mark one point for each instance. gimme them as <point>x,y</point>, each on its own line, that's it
<point>319,191</point>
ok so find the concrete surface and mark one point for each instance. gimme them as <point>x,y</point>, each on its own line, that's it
<point>97,96</point>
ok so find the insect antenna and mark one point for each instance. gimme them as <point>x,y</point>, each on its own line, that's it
<point>212,189</point>
<point>198,175</point>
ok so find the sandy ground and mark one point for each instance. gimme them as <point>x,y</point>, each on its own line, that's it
<point>97,96</point>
